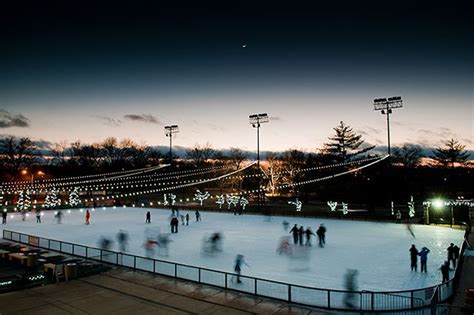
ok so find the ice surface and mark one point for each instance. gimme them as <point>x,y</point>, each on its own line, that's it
<point>378,250</point>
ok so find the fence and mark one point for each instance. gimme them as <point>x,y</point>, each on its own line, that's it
<point>310,296</point>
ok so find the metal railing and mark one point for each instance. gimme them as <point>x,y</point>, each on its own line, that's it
<point>310,296</point>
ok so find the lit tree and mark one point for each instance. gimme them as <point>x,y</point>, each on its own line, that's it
<point>51,200</point>
<point>452,152</point>
<point>21,201</point>
<point>74,197</point>
<point>27,201</point>
<point>345,144</point>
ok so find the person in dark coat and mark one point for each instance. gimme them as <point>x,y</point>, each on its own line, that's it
<point>295,232</point>
<point>198,216</point>
<point>456,253</point>
<point>445,271</point>
<point>423,258</point>
<point>187,218</point>
<point>174,225</point>
<point>308,233</point>
<point>300,235</point>
<point>451,255</point>
<point>239,260</point>
<point>4,217</point>
<point>321,232</point>
<point>148,217</point>
<point>38,216</point>
<point>413,257</point>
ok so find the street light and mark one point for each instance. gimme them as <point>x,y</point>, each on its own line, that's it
<point>255,120</point>
<point>169,131</point>
<point>385,105</point>
<point>39,173</point>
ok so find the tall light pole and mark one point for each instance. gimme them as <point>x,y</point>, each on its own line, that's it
<point>255,120</point>
<point>39,173</point>
<point>385,105</point>
<point>169,131</point>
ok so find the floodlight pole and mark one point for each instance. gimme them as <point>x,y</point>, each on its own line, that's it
<point>255,120</point>
<point>169,131</point>
<point>385,105</point>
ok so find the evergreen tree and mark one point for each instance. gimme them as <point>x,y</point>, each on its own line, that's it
<point>345,144</point>
<point>27,201</point>
<point>74,197</point>
<point>452,152</point>
<point>51,200</point>
<point>21,201</point>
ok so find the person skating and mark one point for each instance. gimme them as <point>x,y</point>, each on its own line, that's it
<point>451,255</point>
<point>88,217</point>
<point>198,216</point>
<point>182,219</point>
<point>308,233</point>
<point>59,217</point>
<point>239,260</point>
<point>445,271</point>
<point>187,218</point>
<point>148,217</point>
<point>456,254</point>
<point>38,216</point>
<point>295,232</point>
<point>350,283</point>
<point>398,217</point>
<point>413,257</point>
<point>423,258</point>
<point>286,225</point>
<point>300,235</point>
<point>122,238</point>
<point>174,225</point>
<point>4,217</point>
<point>321,232</point>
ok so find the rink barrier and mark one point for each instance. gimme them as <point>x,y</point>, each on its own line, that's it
<point>304,295</point>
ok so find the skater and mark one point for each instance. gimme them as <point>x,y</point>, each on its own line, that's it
<point>308,233</point>
<point>88,217</point>
<point>398,217</point>
<point>122,238</point>
<point>38,216</point>
<point>198,216</point>
<point>148,217</point>
<point>4,217</point>
<point>182,219</point>
<point>423,258</point>
<point>284,246</point>
<point>150,245</point>
<point>239,260</point>
<point>410,230</point>
<point>321,232</point>
<point>351,286</point>
<point>456,254</point>
<point>295,232</point>
<point>105,243</point>
<point>187,218</point>
<point>445,271</point>
<point>451,255</point>
<point>300,235</point>
<point>414,257</point>
<point>174,225</point>
<point>162,244</point>
<point>285,224</point>
<point>59,217</point>
<point>215,240</point>
<point>23,215</point>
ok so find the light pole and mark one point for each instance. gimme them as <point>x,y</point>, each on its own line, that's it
<point>385,105</point>
<point>169,131</point>
<point>39,173</point>
<point>255,120</point>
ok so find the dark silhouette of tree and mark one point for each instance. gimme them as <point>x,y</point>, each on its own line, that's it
<point>236,157</point>
<point>17,153</point>
<point>293,161</point>
<point>200,154</point>
<point>409,155</point>
<point>345,145</point>
<point>452,152</point>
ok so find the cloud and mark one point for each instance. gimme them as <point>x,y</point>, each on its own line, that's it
<point>8,120</point>
<point>109,121</point>
<point>43,144</point>
<point>146,118</point>
<point>273,118</point>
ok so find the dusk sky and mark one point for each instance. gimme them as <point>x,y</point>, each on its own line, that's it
<point>86,72</point>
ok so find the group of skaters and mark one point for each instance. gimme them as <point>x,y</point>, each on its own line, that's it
<point>453,256</point>
<point>122,237</point>
<point>300,234</point>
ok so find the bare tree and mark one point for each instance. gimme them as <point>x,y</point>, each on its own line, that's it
<point>236,157</point>
<point>17,153</point>
<point>274,171</point>
<point>59,153</point>
<point>409,155</point>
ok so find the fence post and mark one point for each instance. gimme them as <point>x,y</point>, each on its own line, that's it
<point>411,299</point>
<point>372,302</point>
<point>87,252</point>
<point>289,293</point>
<point>329,298</point>
<point>154,266</point>
<point>199,275</point>
<point>60,246</point>
<point>134,262</point>
<point>175,270</point>
<point>73,246</point>
<point>101,255</point>
<point>49,243</point>
<point>226,280</point>
<point>255,285</point>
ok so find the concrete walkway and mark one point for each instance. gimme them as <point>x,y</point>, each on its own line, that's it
<point>128,292</point>
<point>466,281</point>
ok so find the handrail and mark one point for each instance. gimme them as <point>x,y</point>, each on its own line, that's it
<point>278,290</point>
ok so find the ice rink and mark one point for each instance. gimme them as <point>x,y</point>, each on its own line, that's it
<point>378,250</point>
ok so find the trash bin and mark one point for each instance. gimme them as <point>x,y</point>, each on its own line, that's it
<point>32,260</point>
<point>71,270</point>
<point>469,299</point>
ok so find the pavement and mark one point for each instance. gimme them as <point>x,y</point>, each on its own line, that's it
<point>466,281</point>
<point>121,291</point>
